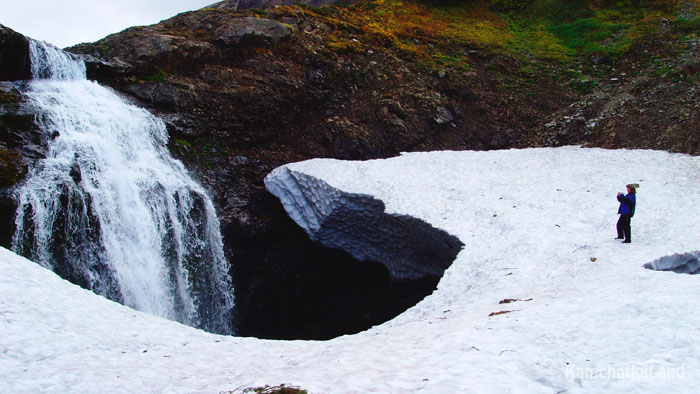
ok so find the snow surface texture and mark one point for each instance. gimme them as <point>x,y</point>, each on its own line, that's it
<point>537,224</point>
<point>356,223</point>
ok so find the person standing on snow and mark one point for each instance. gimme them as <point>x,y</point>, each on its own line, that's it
<point>627,204</point>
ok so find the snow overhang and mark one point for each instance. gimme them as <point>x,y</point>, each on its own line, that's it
<point>357,223</point>
<point>682,263</point>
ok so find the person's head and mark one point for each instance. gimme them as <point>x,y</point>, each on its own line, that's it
<point>631,189</point>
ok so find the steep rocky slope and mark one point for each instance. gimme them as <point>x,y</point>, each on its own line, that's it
<point>244,91</point>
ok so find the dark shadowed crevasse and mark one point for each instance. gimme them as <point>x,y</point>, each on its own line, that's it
<point>290,287</point>
<point>360,268</point>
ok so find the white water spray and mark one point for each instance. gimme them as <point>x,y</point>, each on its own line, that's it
<point>111,210</point>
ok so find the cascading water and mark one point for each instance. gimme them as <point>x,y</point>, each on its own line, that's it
<point>111,210</point>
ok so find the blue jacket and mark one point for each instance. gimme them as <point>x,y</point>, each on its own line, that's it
<point>627,204</point>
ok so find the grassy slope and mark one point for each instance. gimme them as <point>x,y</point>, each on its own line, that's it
<point>551,31</point>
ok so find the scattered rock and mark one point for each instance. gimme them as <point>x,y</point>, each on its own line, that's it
<point>597,58</point>
<point>444,115</point>
<point>499,313</point>
<point>510,300</point>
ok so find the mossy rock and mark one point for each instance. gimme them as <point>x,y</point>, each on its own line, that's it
<point>10,97</point>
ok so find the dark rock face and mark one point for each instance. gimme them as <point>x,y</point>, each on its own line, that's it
<point>14,56</point>
<point>249,28</point>
<point>20,143</point>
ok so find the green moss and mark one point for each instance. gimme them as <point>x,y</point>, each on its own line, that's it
<point>454,62</point>
<point>437,34</point>
<point>181,142</point>
<point>587,35</point>
<point>685,25</point>
<point>661,71</point>
<point>12,96</point>
<point>583,86</point>
<point>103,49</point>
<point>159,76</point>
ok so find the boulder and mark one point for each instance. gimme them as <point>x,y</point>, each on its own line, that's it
<point>443,115</point>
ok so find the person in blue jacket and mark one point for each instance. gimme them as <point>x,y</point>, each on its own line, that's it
<point>627,204</point>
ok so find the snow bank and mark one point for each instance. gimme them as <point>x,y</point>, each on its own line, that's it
<point>538,228</point>
<point>356,223</point>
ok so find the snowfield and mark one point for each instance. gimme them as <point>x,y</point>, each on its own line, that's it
<point>538,226</point>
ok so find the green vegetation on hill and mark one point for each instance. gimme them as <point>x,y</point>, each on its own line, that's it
<point>436,32</point>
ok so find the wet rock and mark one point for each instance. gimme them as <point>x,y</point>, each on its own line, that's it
<point>20,143</point>
<point>162,94</point>
<point>13,167</point>
<point>97,68</point>
<point>18,130</point>
<point>14,56</point>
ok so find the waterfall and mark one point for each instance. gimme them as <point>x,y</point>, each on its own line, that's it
<point>111,210</point>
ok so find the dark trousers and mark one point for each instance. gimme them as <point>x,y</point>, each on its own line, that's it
<point>624,228</point>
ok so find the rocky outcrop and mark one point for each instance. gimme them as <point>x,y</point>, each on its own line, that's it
<point>14,56</point>
<point>249,28</point>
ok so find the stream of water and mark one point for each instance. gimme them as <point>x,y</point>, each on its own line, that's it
<point>111,210</point>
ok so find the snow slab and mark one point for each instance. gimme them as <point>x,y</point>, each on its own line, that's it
<point>538,226</point>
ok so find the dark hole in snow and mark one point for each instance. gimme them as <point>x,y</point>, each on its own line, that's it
<point>682,263</point>
<point>290,287</point>
<point>344,266</point>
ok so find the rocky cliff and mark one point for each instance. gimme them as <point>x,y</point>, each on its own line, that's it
<point>244,91</point>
